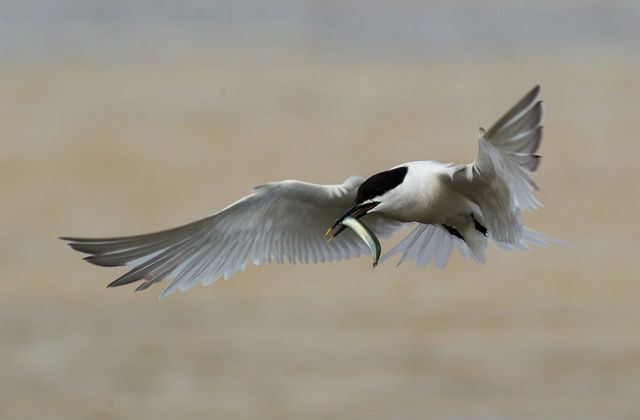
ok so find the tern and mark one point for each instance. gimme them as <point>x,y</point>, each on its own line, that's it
<point>462,205</point>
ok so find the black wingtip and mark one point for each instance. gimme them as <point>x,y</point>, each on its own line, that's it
<point>535,163</point>
<point>127,278</point>
<point>75,244</point>
<point>69,241</point>
<point>534,91</point>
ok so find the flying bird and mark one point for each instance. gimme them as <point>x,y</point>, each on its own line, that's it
<point>463,205</point>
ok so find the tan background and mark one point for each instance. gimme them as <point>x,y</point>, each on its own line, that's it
<point>102,144</point>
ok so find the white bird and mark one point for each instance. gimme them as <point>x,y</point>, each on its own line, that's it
<point>451,204</point>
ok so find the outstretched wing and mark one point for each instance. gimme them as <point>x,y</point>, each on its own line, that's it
<point>277,221</point>
<point>499,181</point>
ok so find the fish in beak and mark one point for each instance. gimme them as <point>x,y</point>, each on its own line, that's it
<point>350,220</point>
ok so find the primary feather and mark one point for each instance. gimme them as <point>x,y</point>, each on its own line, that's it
<point>278,221</point>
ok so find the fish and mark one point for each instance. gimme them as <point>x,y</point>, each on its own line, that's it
<point>367,236</point>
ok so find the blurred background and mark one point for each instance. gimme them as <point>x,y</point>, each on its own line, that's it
<point>124,117</point>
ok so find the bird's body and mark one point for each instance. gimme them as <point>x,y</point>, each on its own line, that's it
<point>424,196</point>
<point>451,204</point>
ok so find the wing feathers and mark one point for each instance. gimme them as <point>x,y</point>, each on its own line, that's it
<point>281,221</point>
<point>527,142</point>
<point>522,123</point>
<point>421,250</point>
<point>518,108</point>
<point>446,247</point>
<point>431,242</point>
<point>425,243</point>
<point>499,180</point>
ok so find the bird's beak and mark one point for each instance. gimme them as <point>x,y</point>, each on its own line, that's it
<point>356,211</point>
<point>350,219</point>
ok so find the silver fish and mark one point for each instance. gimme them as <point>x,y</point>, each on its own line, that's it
<point>365,234</point>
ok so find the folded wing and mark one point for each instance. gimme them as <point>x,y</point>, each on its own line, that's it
<point>278,221</point>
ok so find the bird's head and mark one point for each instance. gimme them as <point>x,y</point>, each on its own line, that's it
<point>370,194</point>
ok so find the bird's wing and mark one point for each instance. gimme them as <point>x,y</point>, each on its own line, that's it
<point>426,243</point>
<point>499,180</point>
<point>277,221</point>
<point>434,242</point>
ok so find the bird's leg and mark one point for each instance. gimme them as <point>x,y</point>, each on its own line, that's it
<point>478,226</point>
